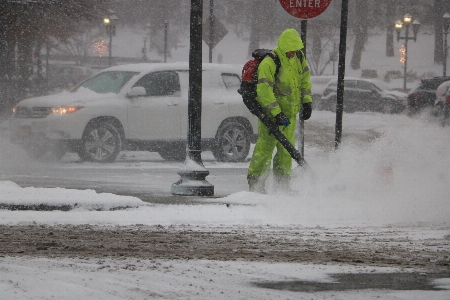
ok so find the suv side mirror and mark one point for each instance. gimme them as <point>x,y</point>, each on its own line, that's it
<point>137,91</point>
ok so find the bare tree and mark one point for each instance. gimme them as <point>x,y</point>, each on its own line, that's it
<point>390,27</point>
<point>438,42</point>
<point>255,28</point>
<point>360,30</point>
<point>24,25</point>
<point>78,47</point>
<point>320,45</point>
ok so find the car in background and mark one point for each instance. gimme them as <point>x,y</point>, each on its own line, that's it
<point>137,107</point>
<point>423,95</point>
<point>67,76</point>
<point>442,103</point>
<point>362,94</point>
<point>318,86</point>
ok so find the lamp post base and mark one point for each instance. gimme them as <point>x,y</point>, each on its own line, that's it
<point>192,182</point>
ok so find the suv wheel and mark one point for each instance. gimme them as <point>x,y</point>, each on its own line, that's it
<point>387,108</point>
<point>443,114</point>
<point>232,143</point>
<point>101,142</point>
<point>332,107</point>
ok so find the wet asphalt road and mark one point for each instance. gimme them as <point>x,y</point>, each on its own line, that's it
<point>148,178</point>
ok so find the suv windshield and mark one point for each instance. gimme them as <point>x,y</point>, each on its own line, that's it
<point>381,85</point>
<point>107,82</point>
<point>433,84</point>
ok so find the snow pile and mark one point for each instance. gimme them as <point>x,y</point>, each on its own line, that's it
<point>15,197</point>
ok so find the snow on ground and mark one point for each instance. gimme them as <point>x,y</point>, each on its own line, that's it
<point>146,279</point>
<point>12,194</point>
<point>352,187</point>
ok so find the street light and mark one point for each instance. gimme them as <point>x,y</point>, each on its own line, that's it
<point>166,30</point>
<point>446,23</point>
<point>110,25</point>
<point>407,19</point>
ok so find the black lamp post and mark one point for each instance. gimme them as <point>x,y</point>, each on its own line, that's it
<point>193,173</point>
<point>446,23</point>
<point>166,30</point>
<point>407,20</point>
<point>148,27</point>
<point>110,25</point>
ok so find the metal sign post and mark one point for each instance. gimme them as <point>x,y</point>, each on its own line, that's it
<point>341,74</point>
<point>301,146</point>
<point>211,27</point>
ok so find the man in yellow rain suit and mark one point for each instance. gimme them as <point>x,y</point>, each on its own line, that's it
<point>281,96</point>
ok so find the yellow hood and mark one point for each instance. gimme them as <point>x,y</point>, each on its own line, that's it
<point>289,41</point>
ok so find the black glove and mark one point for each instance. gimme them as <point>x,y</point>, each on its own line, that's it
<point>282,120</point>
<point>307,110</point>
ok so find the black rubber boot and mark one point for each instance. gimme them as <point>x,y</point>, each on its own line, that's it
<point>257,184</point>
<point>281,183</point>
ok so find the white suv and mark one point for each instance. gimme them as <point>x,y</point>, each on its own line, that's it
<point>137,107</point>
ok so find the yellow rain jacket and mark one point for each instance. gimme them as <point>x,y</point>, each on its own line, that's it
<point>292,85</point>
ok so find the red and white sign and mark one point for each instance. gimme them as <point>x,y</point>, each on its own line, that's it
<point>305,9</point>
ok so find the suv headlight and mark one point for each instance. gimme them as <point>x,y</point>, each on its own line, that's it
<point>62,110</point>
